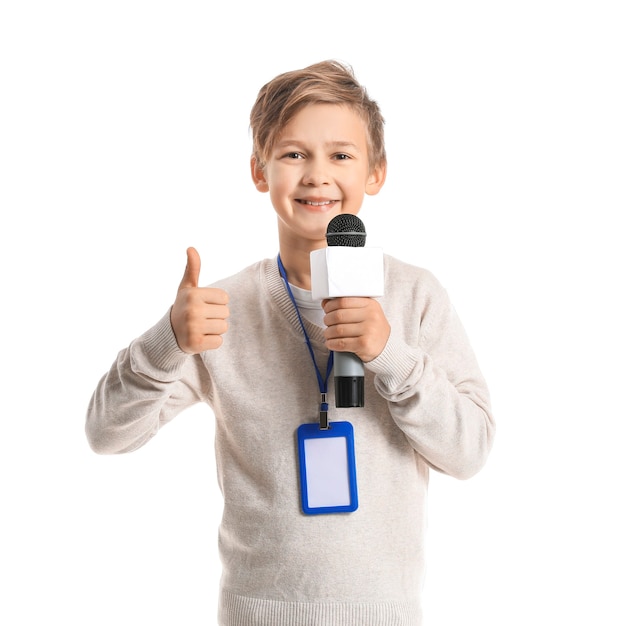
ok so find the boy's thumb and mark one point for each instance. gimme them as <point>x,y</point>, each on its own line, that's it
<point>191,273</point>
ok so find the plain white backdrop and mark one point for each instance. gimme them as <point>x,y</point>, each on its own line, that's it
<point>124,140</point>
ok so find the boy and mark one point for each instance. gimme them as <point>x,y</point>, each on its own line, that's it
<point>317,151</point>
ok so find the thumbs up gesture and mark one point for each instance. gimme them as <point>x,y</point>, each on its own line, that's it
<point>198,315</point>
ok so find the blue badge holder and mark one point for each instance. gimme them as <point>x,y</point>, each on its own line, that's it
<point>327,468</point>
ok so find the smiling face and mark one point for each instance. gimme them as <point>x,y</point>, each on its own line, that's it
<point>318,168</point>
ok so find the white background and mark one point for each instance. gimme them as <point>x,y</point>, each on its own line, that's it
<point>124,139</point>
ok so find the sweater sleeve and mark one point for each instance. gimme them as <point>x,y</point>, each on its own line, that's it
<point>435,390</point>
<point>149,383</point>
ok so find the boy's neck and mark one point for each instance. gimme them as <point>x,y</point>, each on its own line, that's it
<point>296,262</point>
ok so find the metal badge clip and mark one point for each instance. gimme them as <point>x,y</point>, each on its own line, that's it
<point>323,419</point>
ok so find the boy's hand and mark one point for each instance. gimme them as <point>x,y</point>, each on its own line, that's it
<point>356,325</point>
<point>198,314</point>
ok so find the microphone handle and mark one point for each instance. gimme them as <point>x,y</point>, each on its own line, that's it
<point>348,380</point>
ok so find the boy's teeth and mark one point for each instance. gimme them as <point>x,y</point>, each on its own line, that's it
<point>316,203</point>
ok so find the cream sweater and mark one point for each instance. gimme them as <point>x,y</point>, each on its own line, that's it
<point>427,406</point>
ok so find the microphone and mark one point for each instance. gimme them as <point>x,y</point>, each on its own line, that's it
<point>347,230</point>
<point>347,268</point>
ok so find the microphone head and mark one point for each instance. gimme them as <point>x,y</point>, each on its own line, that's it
<point>346,230</point>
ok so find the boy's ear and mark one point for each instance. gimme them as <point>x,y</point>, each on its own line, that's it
<point>376,179</point>
<point>257,175</point>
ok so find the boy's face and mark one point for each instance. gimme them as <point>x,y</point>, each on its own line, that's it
<point>318,169</point>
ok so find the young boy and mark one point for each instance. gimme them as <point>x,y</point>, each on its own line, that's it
<point>318,149</point>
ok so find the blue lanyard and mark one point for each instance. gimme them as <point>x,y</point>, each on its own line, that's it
<point>324,407</point>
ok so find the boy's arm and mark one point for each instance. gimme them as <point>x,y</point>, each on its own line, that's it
<point>150,382</point>
<point>436,392</point>
<point>160,373</point>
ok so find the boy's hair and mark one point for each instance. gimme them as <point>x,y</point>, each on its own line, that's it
<point>328,82</point>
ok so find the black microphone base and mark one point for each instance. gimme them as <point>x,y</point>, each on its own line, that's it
<point>349,391</point>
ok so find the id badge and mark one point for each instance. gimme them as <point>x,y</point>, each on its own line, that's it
<point>327,468</point>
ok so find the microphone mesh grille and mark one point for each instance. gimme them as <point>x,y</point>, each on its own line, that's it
<point>346,230</point>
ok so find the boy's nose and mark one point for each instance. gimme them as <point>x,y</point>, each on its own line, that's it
<point>316,175</point>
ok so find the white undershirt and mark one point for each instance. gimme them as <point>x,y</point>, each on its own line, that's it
<point>310,309</point>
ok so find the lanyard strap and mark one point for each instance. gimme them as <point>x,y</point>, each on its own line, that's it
<point>322,382</point>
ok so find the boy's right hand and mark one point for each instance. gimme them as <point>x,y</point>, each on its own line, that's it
<point>198,315</point>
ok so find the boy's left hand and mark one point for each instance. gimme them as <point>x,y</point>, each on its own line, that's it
<point>356,325</point>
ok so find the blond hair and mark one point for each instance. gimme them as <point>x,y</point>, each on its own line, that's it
<point>328,82</point>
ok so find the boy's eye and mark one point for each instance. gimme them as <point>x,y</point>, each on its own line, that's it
<point>293,155</point>
<point>342,157</point>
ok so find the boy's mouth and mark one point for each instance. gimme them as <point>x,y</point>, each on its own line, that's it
<point>316,203</point>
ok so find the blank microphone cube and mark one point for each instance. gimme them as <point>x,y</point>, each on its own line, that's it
<point>338,271</point>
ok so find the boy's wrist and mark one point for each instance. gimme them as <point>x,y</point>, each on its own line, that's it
<point>395,363</point>
<point>157,351</point>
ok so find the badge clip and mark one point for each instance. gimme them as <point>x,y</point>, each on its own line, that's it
<point>323,419</point>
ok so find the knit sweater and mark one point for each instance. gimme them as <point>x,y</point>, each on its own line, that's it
<point>427,406</point>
